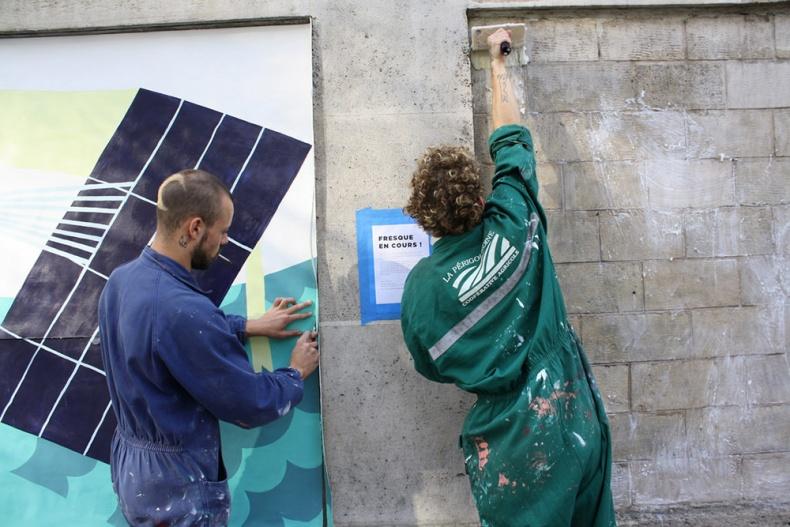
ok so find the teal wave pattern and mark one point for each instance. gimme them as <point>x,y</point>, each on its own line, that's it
<point>276,472</point>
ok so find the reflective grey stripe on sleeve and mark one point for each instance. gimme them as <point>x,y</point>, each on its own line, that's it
<point>457,331</point>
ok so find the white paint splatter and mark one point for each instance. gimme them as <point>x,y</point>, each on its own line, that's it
<point>582,442</point>
<point>542,376</point>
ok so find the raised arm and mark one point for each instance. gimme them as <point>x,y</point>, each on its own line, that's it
<point>504,108</point>
<point>510,144</point>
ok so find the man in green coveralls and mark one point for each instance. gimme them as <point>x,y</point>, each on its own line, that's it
<point>485,312</point>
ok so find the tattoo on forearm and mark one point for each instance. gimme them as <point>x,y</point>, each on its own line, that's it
<point>504,83</point>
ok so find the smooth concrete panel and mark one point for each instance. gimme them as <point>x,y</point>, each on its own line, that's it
<point>391,436</point>
<point>369,162</point>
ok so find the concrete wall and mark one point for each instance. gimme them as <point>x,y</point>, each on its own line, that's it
<point>664,146</point>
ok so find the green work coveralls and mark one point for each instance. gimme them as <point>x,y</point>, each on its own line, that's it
<point>485,312</point>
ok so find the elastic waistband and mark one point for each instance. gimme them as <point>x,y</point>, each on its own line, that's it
<point>148,445</point>
<point>567,340</point>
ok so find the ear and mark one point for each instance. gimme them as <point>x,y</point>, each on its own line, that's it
<point>481,201</point>
<point>195,227</point>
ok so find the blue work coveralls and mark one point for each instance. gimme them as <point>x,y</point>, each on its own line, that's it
<point>176,365</point>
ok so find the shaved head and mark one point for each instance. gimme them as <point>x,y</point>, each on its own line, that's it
<point>187,194</point>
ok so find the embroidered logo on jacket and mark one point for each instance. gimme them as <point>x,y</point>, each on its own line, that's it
<point>498,295</point>
<point>479,273</point>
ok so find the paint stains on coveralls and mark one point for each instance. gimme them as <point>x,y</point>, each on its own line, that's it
<point>536,442</point>
<point>175,366</point>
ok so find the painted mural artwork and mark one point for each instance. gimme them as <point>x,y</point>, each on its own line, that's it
<point>80,172</point>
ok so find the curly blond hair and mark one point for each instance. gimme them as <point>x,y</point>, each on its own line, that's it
<point>446,191</point>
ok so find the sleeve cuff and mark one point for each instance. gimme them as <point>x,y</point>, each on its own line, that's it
<point>509,135</point>
<point>238,325</point>
<point>292,373</point>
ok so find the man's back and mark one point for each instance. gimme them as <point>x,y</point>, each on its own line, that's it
<point>176,365</point>
<point>140,302</point>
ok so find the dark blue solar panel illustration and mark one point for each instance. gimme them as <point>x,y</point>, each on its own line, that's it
<point>52,382</point>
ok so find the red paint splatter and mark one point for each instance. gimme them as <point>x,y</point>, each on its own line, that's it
<point>503,480</point>
<point>543,406</point>
<point>482,452</point>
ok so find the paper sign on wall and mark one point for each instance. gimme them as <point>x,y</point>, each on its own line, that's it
<point>389,245</point>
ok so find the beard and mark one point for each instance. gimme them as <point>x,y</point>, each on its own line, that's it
<point>201,259</point>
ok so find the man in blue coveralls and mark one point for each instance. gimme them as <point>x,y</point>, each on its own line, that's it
<point>176,364</point>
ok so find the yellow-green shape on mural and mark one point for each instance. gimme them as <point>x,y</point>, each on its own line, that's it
<point>62,132</point>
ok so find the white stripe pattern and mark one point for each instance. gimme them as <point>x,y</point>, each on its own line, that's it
<point>88,262</point>
<point>50,350</point>
<point>494,256</point>
<point>96,210</point>
<point>211,139</point>
<point>79,246</point>
<point>82,262</point>
<point>75,234</point>
<point>490,276</point>
<point>57,237</point>
<point>98,198</point>
<point>246,161</point>
<point>68,382</point>
<point>96,431</point>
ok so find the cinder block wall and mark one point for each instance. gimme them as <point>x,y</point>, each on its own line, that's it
<point>674,257</point>
<point>662,141</point>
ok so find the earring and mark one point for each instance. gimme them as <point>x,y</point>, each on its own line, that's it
<point>182,241</point>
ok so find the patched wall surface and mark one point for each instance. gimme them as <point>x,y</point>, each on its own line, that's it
<point>662,143</point>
